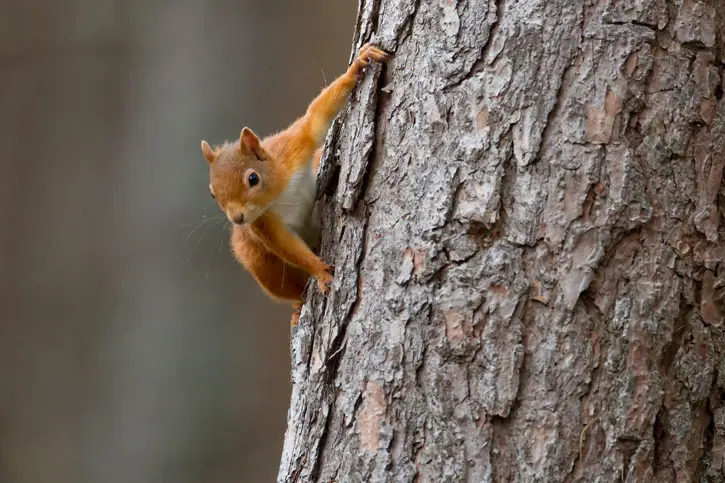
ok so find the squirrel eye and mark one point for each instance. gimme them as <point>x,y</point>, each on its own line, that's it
<point>253,179</point>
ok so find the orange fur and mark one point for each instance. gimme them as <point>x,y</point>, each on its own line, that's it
<point>263,188</point>
<point>266,267</point>
<point>288,246</point>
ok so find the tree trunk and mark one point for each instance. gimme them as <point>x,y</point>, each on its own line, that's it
<point>527,229</point>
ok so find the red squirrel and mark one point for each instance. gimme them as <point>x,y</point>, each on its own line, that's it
<point>267,189</point>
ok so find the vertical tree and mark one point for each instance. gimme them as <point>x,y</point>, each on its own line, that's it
<point>525,209</point>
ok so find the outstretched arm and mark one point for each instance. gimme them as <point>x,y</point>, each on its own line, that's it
<point>327,105</point>
<point>275,235</point>
<point>308,133</point>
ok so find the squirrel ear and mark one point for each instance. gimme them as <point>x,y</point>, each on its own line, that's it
<point>207,152</point>
<point>249,141</point>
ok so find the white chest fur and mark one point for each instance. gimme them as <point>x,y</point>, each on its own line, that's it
<point>296,204</point>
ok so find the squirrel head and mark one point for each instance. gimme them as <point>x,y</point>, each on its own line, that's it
<point>241,177</point>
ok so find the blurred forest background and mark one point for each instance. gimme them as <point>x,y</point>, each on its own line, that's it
<point>133,348</point>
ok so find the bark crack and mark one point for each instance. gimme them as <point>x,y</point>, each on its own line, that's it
<point>703,465</point>
<point>406,29</point>
<point>321,442</point>
<point>562,90</point>
<point>565,81</point>
<point>481,58</point>
<point>635,22</point>
<point>359,186</point>
<point>493,31</point>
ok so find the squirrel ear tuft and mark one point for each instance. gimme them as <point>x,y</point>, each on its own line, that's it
<point>207,152</point>
<point>249,142</point>
<point>249,139</point>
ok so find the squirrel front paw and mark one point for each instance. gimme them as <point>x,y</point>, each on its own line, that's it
<point>365,56</point>
<point>324,278</point>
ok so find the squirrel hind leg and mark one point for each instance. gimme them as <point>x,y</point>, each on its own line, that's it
<point>296,312</point>
<point>280,280</point>
<point>285,284</point>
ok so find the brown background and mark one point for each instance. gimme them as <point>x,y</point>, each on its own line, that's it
<point>132,347</point>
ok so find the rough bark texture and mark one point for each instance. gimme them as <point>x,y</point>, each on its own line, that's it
<point>527,225</point>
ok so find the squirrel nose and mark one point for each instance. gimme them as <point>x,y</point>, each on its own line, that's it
<point>237,218</point>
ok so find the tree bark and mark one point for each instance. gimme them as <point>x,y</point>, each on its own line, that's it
<point>525,211</point>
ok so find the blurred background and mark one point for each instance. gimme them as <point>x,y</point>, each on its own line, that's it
<point>132,347</point>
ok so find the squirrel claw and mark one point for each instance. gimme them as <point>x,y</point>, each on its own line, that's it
<point>369,52</point>
<point>366,55</point>
<point>362,72</point>
<point>324,279</point>
<point>324,286</point>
